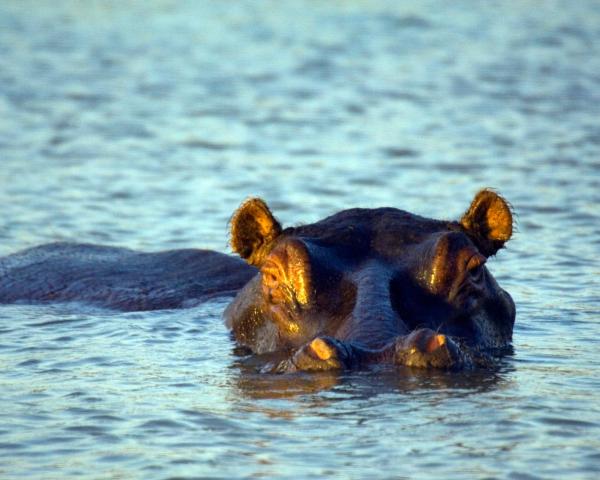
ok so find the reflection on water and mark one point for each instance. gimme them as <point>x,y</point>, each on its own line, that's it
<point>372,382</point>
<point>146,124</point>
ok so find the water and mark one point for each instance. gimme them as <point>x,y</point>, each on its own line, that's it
<point>144,124</point>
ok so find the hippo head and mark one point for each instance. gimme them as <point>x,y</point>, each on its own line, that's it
<point>368,276</point>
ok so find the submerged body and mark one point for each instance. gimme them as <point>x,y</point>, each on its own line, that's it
<point>362,286</point>
<point>120,278</point>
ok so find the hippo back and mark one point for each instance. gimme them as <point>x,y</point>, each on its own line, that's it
<point>119,278</point>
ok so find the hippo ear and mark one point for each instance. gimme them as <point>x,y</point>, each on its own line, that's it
<point>253,229</point>
<point>488,221</point>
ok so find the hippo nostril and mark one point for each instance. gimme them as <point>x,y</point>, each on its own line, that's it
<point>321,349</point>
<point>435,342</point>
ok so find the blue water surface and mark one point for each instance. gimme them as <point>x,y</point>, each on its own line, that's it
<point>145,124</point>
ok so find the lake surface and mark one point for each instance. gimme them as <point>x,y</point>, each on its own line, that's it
<point>145,124</point>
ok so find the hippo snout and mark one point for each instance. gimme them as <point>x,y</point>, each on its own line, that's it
<point>427,348</point>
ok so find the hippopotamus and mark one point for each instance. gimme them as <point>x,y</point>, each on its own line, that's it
<point>360,287</point>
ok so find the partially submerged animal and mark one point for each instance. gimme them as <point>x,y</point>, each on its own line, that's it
<point>362,286</point>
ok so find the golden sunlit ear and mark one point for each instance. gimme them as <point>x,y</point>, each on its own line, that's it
<point>253,229</point>
<point>488,221</point>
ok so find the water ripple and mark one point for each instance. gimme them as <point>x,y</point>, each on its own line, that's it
<point>148,134</point>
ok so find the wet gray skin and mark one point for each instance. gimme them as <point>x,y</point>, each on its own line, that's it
<point>363,286</point>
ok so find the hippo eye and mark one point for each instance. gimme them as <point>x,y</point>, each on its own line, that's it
<point>270,276</point>
<point>286,273</point>
<point>476,273</point>
<point>273,287</point>
<point>475,267</point>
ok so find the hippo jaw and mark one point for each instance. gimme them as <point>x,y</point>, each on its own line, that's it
<point>369,277</point>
